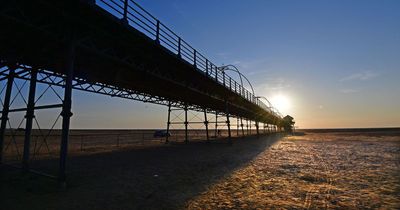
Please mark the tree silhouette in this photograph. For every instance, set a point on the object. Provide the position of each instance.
(288, 123)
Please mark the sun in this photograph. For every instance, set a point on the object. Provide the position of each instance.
(281, 103)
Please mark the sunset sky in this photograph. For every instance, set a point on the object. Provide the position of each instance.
(326, 63)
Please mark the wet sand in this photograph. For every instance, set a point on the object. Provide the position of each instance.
(342, 170)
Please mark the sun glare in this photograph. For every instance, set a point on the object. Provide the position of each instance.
(281, 102)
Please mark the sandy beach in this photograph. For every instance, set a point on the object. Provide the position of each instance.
(311, 170)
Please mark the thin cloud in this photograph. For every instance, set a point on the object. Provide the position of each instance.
(270, 85)
(223, 54)
(361, 76)
(347, 91)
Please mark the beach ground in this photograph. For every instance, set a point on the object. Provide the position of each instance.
(311, 170)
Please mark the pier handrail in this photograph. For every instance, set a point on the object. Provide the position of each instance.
(132, 14)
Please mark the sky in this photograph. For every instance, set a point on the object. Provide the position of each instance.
(326, 63)
(329, 64)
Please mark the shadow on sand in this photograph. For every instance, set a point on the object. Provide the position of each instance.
(160, 177)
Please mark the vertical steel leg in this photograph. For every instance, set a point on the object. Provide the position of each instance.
(66, 112)
(228, 123)
(30, 111)
(6, 108)
(241, 124)
(264, 128)
(237, 126)
(250, 126)
(168, 122)
(258, 132)
(206, 124)
(247, 126)
(186, 125)
(216, 124)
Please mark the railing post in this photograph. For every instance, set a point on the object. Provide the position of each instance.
(235, 86)
(179, 46)
(223, 77)
(158, 32)
(29, 119)
(216, 74)
(207, 67)
(125, 16)
(194, 58)
(230, 83)
(6, 108)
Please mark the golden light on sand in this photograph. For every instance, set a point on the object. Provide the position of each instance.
(281, 102)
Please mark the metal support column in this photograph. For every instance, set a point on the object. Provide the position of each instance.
(66, 111)
(258, 131)
(228, 123)
(241, 124)
(264, 128)
(168, 123)
(216, 124)
(206, 124)
(250, 127)
(237, 126)
(30, 111)
(6, 108)
(186, 125)
(247, 127)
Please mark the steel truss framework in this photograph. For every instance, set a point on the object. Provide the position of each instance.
(208, 121)
(33, 76)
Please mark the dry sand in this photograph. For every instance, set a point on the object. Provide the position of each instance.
(325, 170)
(343, 170)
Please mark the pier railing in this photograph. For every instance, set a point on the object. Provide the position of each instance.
(136, 16)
